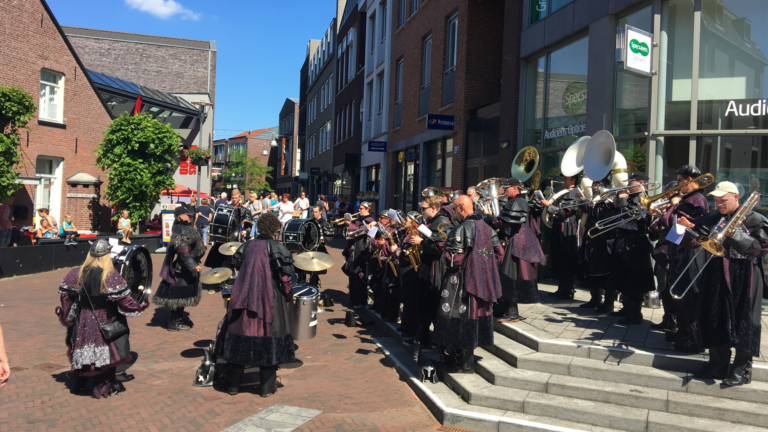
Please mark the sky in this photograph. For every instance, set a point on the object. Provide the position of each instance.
(261, 45)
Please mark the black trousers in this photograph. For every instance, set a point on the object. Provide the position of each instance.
(267, 377)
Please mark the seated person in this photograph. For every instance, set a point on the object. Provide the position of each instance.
(43, 213)
(124, 227)
(45, 231)
(68, 231)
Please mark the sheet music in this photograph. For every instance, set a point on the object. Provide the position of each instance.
(577, 194)
(677, 232)
(538, 195)
(372, 232)
(426, 231)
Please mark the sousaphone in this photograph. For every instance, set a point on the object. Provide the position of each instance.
(573, 159)
(525, 163)
(601, 159)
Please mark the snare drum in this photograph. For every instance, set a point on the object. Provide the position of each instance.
(134, 263)
(301, 235)
(224, 225)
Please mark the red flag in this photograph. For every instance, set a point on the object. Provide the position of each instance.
(137, 110)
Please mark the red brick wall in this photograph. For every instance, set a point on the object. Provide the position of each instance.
(478, 70)
(510, 89)
(29, 42)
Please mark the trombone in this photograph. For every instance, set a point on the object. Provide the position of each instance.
(340, 221)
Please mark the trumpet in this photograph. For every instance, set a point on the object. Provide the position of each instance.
(609, 192)
(340, 221)
(713, 243)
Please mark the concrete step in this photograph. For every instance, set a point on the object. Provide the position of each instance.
(756, 391)
(698, 406)
(669, 422)
(500, 373)
(585, 411)
(628, 374)
(608, 392)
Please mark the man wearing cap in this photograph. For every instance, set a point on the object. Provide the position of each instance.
(470, 287)
(518, 270)
(632, 271)
(731, 288)
(380, 266)
(565, 240)
(683, 314)
(357, 253)
(180, 284)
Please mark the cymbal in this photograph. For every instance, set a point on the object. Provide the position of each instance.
(215, 276)
(229, 249)
(313, 261)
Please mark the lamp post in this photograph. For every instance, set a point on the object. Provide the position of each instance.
(201, 115)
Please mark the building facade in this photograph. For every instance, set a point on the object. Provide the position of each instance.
(348, 98)
(258, 145)
(184, 68)
(320, 112)
(288, 158)
(59, 166)
(374, 112)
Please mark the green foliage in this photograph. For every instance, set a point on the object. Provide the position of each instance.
(196, 153)
(635, 155)
(138, 153)
(17, 107)
(255, 175)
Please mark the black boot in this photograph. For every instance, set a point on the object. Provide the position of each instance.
(234, 374)
(268, 380)
(176, 323)
(416, 352)
(447, 363)
(634, 314)
(468, 361)
(511, 314)
(741, 372)
(717, 367)
(596, 301)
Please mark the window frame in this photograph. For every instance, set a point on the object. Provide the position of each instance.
(426, 61)
(452, 23)
(59, 96)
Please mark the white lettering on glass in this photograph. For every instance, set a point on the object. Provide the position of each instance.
(565, 130)
(760, 108)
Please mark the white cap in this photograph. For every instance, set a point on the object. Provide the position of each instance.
(723, 188)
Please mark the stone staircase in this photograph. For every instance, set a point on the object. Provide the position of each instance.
(517, 387)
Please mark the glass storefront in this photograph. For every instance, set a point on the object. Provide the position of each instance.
(543, 8)
(407, 190)
(632, 93)
(439, 162)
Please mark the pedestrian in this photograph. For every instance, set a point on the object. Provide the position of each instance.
(180, 285)
(272, 199)
(43, 213)
(256, 331)
(302, 204)
(254, 206)
(5, 369)
(68, 231)
(95, 302)
(286, 209)
(6, 227)
(221, 201)
(266, 205)
(124, 227)
(203, 220)
(323, 203)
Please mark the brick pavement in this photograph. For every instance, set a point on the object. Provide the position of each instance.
(344, 374)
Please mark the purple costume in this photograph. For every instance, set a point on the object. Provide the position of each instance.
(357, 255)
(89, 354)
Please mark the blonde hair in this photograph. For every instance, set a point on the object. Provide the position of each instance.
(235, 192)
(103, 262)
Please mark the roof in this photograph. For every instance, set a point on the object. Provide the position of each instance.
(266, 132)
(294, 100)
(107, 82)
(139, 38)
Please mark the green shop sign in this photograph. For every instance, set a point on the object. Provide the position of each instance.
(638, 47)
(574, 97)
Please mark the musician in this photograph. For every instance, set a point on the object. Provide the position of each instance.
(518, 270)
(326, 231)
(383, 277)
(470, 287)
(242, 216)
(691, 207)
(357, 255)
(660, 254)
(409, 258)
(565, 240)
(731, 289)
(432, 268)
(180, 285)
(632, 272)
(598, 251)
(256, 331)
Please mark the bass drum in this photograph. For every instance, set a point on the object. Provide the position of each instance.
(301, 235)
(134, 263)
(224, 225)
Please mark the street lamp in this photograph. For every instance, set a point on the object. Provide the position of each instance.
(273, 143)
(200, 134)
(265, 152)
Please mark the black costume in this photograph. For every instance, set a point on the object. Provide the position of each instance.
(326, 231)
(180, 285)
(431, 273)
(565, 243)
(357, 255)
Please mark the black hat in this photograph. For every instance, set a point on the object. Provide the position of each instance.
(512, 182)
(638, 176)
(99, 248)
(183, 209)
(688, 171)
(670, 185)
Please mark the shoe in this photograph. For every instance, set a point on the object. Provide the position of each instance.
(739, 376)
(619, 313)
(233, 390)
(507, 319)
(266, 395)
(467, 361)
(178, 325)
(416, 352)
(113, 392)
(592, 304)
(664, 326)
(714, 372)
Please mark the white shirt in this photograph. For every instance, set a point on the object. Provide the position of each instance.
(285, 207)
(303, 203)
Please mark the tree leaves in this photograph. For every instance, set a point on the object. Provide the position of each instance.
(17, 107)
(138, 153)
(256, 176)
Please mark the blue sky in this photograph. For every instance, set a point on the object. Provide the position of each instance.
(261, 44)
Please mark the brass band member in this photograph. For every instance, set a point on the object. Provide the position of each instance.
(518, 270)
(409, 276)
(388, 285)
(661, 268)
(598, 251)
(632, 272)
(256, 331)
(180, 285)
(432, 267)
(357, 255)
(565, 240)
(326, 231)
(691, 207)
(470, 287)
(731, 290)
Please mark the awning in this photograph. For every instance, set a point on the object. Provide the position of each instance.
(183, 191)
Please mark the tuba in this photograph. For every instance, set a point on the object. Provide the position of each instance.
(601, 159)
(525, 163)
(573, 159)
(490, 191)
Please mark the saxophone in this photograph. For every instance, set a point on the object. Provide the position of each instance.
(440, 231)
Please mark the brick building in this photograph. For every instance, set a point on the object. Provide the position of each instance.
(59, 168)
(181, 68)
(258, 145)
(446, 60)
(349, 97)
(288, 156)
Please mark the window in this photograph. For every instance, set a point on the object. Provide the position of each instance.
(426, 61)
(370, 101)
(372, 37)
(352, 119)
(51, 95)
(414, 6)
(383, 22)
(381, 94)
(401, 14)
(453, 40)
(543, 8)
(399, 82)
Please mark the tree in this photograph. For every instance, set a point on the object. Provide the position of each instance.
(16, 108)
(249, 172)
(139, 155)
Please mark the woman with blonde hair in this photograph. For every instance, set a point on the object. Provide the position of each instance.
(95, 302)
